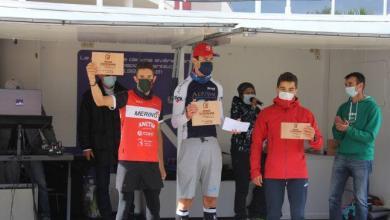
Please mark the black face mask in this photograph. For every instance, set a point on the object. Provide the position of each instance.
(144, 85)
(206, 68)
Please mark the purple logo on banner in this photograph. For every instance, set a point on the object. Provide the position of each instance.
(162, 63)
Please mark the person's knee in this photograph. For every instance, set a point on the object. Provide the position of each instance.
(102, 188)
(334, 200)
(209, 201)
(154, 205)
(102, 184)
(184, 204)
(361, 196)
(242, 190)
(154, 212)
(125, 206)
(126, 197)
(298, 213)
(361, 201)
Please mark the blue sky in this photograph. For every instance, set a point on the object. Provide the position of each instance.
(305, 6)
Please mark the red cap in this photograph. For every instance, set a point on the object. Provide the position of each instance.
(203, 50)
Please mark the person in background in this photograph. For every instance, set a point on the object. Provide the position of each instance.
(285, 166)
(245, 107)
(99, 136)
(355, 128)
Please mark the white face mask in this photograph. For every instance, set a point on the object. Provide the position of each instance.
(351, 91)
(286, 96)
(109, 91)
(109, 81)
(247, 98)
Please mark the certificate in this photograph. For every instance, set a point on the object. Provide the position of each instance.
(109, 63)
(235, 125)
(208, 113)
(292, 130)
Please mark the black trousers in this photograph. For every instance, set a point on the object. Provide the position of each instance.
(102, 190)
(241, 172)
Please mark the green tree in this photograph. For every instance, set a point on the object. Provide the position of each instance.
(355, 11)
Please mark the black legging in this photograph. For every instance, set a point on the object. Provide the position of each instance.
(126, 199)
(257, 207)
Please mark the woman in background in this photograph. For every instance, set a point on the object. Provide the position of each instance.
(245, 107)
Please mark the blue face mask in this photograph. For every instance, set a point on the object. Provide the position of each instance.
(201, 80)
(109, 81)
(206, 68)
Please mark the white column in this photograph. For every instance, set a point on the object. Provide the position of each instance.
(99, 3)
(287, 9)
(258, 6)
(178, 71)
(129, 3)
(161, 4)
(385, 7)
(333, 7)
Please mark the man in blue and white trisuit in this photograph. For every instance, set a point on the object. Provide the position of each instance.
(199, 156)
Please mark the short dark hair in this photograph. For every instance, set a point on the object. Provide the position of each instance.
(360, 78)
(287, 77)
(144, 65)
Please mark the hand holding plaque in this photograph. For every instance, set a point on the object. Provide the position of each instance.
(293, 130)
(108, 63)
(208, 113)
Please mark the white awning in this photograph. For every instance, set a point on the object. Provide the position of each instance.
(141, 34)
(65, 22)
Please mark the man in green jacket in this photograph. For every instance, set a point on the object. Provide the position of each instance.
(355, 129)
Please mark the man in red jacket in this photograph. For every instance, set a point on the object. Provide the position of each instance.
(285, 166)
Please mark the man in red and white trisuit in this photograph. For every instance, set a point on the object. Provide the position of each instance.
(140, 154)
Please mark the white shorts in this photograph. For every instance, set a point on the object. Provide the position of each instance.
(199, 161)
